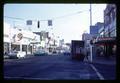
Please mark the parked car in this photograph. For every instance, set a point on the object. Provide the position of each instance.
(6, 55)
(54, 52)
(17, 54)
(21, 54)
(40, 53)
(13, 54)
(66, 53)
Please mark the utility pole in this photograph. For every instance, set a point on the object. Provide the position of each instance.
(91, 55)
(90, 14)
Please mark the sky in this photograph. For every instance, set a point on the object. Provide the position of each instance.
(69, 21)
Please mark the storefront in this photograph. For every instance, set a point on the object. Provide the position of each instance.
(6, 38)
(108, 44)
(19, 40)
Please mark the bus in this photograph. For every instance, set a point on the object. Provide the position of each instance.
(77, 50)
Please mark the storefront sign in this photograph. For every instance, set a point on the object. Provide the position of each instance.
(29, 22)
(19, 36)
(106, 38)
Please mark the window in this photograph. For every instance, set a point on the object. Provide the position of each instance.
(113, 14)
(112, 33)
(24, 47)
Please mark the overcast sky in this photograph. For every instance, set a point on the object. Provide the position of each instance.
(69, 20)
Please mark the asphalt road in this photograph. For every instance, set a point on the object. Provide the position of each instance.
(107, 71)
(49, 68)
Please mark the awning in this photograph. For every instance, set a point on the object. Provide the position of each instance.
(34, 42)
(106, 40)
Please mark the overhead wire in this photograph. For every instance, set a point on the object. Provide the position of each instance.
(67, 15)
(54, 18)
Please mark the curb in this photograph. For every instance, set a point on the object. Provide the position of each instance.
(102, 63)
(29, 56)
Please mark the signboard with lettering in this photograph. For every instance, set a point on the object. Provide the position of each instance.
(106, 38)
(29, 22)
(49, 22)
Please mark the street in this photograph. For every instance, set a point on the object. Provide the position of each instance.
(60, 41)
(108, 71)
(48, 67)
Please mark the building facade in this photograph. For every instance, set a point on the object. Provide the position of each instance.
(110, 20)
(19, 40)
(94, 30)
(107, 34)
(86, 37)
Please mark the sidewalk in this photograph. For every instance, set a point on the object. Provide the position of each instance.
(104, 61)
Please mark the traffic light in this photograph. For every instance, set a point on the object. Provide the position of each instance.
(38, 24)
(49, 22)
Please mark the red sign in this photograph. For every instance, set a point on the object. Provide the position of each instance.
(106, 38)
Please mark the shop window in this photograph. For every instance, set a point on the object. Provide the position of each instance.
(30, 48)
(6, 47)
(15, 47)
(24, 47)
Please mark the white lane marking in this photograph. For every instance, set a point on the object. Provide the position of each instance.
(99, 75)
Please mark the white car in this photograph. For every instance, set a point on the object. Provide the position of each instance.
(21, 54)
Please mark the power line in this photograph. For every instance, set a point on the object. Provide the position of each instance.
(14, 18)
(69, 15)
(21, 18)
(51, 19)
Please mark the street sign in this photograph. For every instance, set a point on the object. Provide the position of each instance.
(29, 22)
(49, 22)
